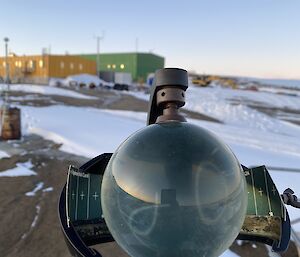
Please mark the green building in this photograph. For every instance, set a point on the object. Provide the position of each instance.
(139, 65)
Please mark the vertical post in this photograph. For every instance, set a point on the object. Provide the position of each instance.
(98, 53)
(7, 70)
(10, 120)
(98, 56)
(136, 44)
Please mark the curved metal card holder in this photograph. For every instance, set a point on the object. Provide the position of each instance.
(267, 220)
(80, 208)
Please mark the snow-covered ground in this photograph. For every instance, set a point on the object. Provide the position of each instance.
(3, 154)
(254, 137)
(217, 102)
(90, 132)
(82, 131)
(22, 169)
(283, 91)
(45, 90)
(37, 188)
(229, 253)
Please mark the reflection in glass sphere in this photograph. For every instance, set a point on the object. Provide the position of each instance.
(174, 189)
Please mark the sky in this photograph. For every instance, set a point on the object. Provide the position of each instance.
(259, 38)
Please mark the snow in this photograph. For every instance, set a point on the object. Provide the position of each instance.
(22, 169)
(48, 189)
(46, 90)
(28, 98)
(36, 217)
(229, 253)
(291, 92)
(53, 82)
(255, 147)
(3, 154)
(86, 79)
(138, 94)
(255, 138)
(34, 222)
(83, 78)
(271, 253)
(206, 99)
(217, 103)
(82, 131)
(38, 187)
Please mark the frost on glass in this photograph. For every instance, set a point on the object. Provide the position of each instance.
(174, 189)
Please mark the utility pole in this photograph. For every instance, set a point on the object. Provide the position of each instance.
(98, 38)
(136, 44)
(6, 40)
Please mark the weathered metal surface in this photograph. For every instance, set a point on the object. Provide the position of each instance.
(266, 213)
(264, 226)
(10, 123)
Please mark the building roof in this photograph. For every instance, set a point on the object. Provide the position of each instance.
(127, 53)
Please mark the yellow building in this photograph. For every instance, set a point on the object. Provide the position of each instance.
(40, 68)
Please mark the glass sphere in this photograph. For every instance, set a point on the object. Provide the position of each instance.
(174, 189)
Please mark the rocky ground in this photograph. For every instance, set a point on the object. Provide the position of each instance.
(29, 225)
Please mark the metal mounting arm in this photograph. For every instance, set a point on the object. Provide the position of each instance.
(166, 102)
(289, 198)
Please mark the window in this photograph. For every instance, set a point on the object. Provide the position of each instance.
(122, 66)
(113, 66)
(4, 64)
(62, 65)
(31, 64)
(71, 66)
(108, 66)
(20, 64)
(80, 66)
(41, 64)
